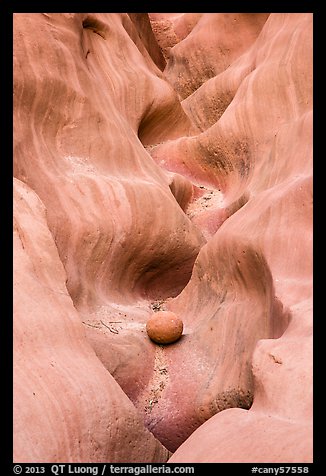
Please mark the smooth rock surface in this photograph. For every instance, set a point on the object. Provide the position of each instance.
(141, 187)
(67, 407)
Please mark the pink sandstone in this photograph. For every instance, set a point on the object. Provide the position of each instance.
(173, 176)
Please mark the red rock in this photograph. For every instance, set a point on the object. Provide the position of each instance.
(269, 235)
(67, 407)
(113, 209)
(240, 436)
(164, 327)
(214, 42)
(143, 29)
(171, 28)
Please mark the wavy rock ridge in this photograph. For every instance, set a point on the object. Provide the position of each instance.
(174, 175)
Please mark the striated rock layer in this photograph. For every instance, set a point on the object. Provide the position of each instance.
(259, 154)
(172, 176)
(67, 407)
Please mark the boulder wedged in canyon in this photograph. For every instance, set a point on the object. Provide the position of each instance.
(142, 197)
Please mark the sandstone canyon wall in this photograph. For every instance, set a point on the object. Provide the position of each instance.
(163, 161)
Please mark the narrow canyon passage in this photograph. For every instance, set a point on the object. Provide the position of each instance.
(163, 162)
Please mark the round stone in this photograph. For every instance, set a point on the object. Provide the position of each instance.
(164, 327)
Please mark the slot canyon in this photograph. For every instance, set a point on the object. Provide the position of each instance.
(163, 164)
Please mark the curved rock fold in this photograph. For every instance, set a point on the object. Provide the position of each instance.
(163, 162)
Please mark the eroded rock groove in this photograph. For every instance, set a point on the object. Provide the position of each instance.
(163, 161)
